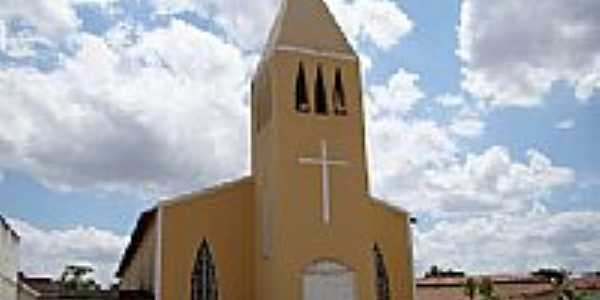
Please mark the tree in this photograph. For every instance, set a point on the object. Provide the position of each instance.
(75, 278)
(434, 271)
(470, 288)
(555, 276)
(486, 289)
(568, 290)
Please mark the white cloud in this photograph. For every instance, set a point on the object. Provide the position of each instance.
(417, 165)
(384, 23)
(512, 61)
(565, 124)
(248, 22)
(379, 21)
(467, 123)
(51, 18)
(401, 150)
(450, 100)
(46, 252)
(123, 35)
(399, 95)
(165, 113)
(492, 181)
(48, 23)
(54, 18)
(103, 3)
(468, 127)
(512, 242)
(19, 44)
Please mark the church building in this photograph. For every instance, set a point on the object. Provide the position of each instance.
(302, 225)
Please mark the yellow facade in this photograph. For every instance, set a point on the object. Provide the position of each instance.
(267, 231)
(224, 218)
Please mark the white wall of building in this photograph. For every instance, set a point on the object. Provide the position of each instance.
(9, 261)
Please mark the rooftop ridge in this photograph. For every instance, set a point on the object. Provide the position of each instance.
(319, 33)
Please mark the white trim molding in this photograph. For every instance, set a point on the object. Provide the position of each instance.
(316, 52)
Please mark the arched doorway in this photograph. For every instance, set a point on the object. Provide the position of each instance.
(327, 280)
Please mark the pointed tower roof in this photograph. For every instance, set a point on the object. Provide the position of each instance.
(307, 25)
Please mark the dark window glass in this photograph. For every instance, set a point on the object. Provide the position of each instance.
(339, 96)
(204, 279)
(320, 94)
(382, 284)
(302, 104)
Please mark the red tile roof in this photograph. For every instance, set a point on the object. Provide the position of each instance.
(441, 281)
(587, 283)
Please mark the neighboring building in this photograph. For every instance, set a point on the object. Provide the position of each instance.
(507, 287)
(42, 285)
(524, 287)
(9, 261)
(303, 225)
(588, 284)
(44, 288)
(24, 291)
(441, 288)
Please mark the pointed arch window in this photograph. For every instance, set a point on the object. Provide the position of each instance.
(339, 96)
(320, 93)
(302, 104)
(204, 278)
(382, 284)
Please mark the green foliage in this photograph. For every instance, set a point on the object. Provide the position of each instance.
(486, 289)
(583, 296)
(75, 278)
(470, 288)
(434, 271)
(571, 294)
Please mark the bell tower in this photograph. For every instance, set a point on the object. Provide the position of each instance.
(308, 150)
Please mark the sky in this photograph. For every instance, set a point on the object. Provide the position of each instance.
(481, 120)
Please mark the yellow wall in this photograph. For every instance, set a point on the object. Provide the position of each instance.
(393, 234)
(294, 196)
(224, 216)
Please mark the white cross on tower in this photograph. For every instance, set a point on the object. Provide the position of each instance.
(324, 162)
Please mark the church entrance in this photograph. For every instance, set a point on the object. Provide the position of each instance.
(328, 280)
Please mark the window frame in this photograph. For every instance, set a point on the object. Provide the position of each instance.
(204, 283)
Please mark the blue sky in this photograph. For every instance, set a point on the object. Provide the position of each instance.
(479, 121)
